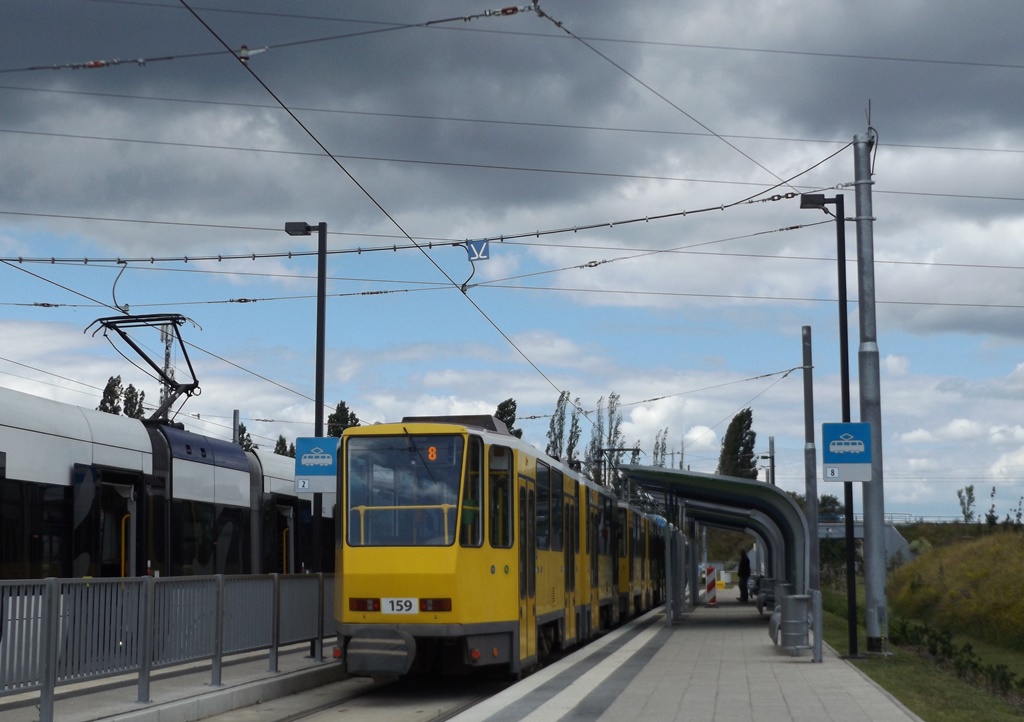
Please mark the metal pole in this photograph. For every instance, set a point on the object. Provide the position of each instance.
(810, 467)
(318, 416)
(870, 399)
(844, 375)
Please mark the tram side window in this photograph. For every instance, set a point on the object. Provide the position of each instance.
(557, 505)
(471, 529)
(543, 506)
(623, 535)
(210, 538)
(605, 526)
(35, 523)
(500, 494)
(581, 506)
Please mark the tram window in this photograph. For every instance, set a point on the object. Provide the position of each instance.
(35, 523)
(623, 534)
(404, 490)
(581, 506)
(500, 495)
(557, 505)
(470, 531)
(524, 535)
(605, 526)
(543, 506)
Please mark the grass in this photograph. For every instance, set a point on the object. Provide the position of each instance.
(933, 693)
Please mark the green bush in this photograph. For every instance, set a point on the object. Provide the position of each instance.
(961, 658)
(976, 586)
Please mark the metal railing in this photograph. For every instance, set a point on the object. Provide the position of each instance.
(895, 517)
(58, 631)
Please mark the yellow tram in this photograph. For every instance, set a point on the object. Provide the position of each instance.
(462, 547)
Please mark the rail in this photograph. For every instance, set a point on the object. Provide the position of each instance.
(60, 631)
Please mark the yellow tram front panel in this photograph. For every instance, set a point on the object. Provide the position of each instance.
(450, 586)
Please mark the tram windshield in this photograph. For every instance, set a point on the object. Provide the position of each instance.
(402, 490)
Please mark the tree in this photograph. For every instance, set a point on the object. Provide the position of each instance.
(829, 507)
(340, 420)
(556, 430)
(283, 448)
(114, 394)
(111, 401)
(574, 436)
(660, 453)
(133, 402)
(634, 456)
(506, 412)
(593, 460)
(737, 454)
(991, 518)
(244, 439)
(615, 440)
(966, 497)
(606, 443)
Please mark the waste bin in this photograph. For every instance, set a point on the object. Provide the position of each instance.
(794, 624)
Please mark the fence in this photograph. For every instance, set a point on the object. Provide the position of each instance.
(58, 631)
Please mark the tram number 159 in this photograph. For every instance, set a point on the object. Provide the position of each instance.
(399, 605)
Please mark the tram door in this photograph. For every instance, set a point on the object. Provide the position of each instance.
(527, 569)
(286, 539)
(278, 538)
(571, 546)
(104, 540)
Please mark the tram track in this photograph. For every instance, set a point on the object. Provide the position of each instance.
(412, 699)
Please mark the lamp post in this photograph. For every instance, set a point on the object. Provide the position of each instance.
(304, 229)
(818, 200)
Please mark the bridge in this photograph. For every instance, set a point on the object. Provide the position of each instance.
(895, 544)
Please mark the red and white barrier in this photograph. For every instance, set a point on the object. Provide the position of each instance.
(711, 594)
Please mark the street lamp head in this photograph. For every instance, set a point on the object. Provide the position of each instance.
(298, 228)
(813, 200)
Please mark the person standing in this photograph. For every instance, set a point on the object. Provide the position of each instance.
(744, 576)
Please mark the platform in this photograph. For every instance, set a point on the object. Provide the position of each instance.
(184, 694)
(718, 664)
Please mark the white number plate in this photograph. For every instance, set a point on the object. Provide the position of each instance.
(400, 605)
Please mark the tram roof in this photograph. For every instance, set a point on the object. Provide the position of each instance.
(730, 502)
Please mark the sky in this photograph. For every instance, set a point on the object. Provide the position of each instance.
(635, 168)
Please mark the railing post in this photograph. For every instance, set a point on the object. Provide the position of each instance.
(51, 633)
(275, 623)
(816, 612)
(146, 626)
(218, 643)
(319, 646)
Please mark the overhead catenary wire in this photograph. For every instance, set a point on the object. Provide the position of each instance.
(561, 26)
(244, 53)
(596, 39)
(375, 202)
(447, 118)
(419, 245)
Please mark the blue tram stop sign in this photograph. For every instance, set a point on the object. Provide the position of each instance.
(846, 452)
(316, 464)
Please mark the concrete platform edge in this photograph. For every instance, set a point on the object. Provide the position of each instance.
(231, 697)
(873, 683)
